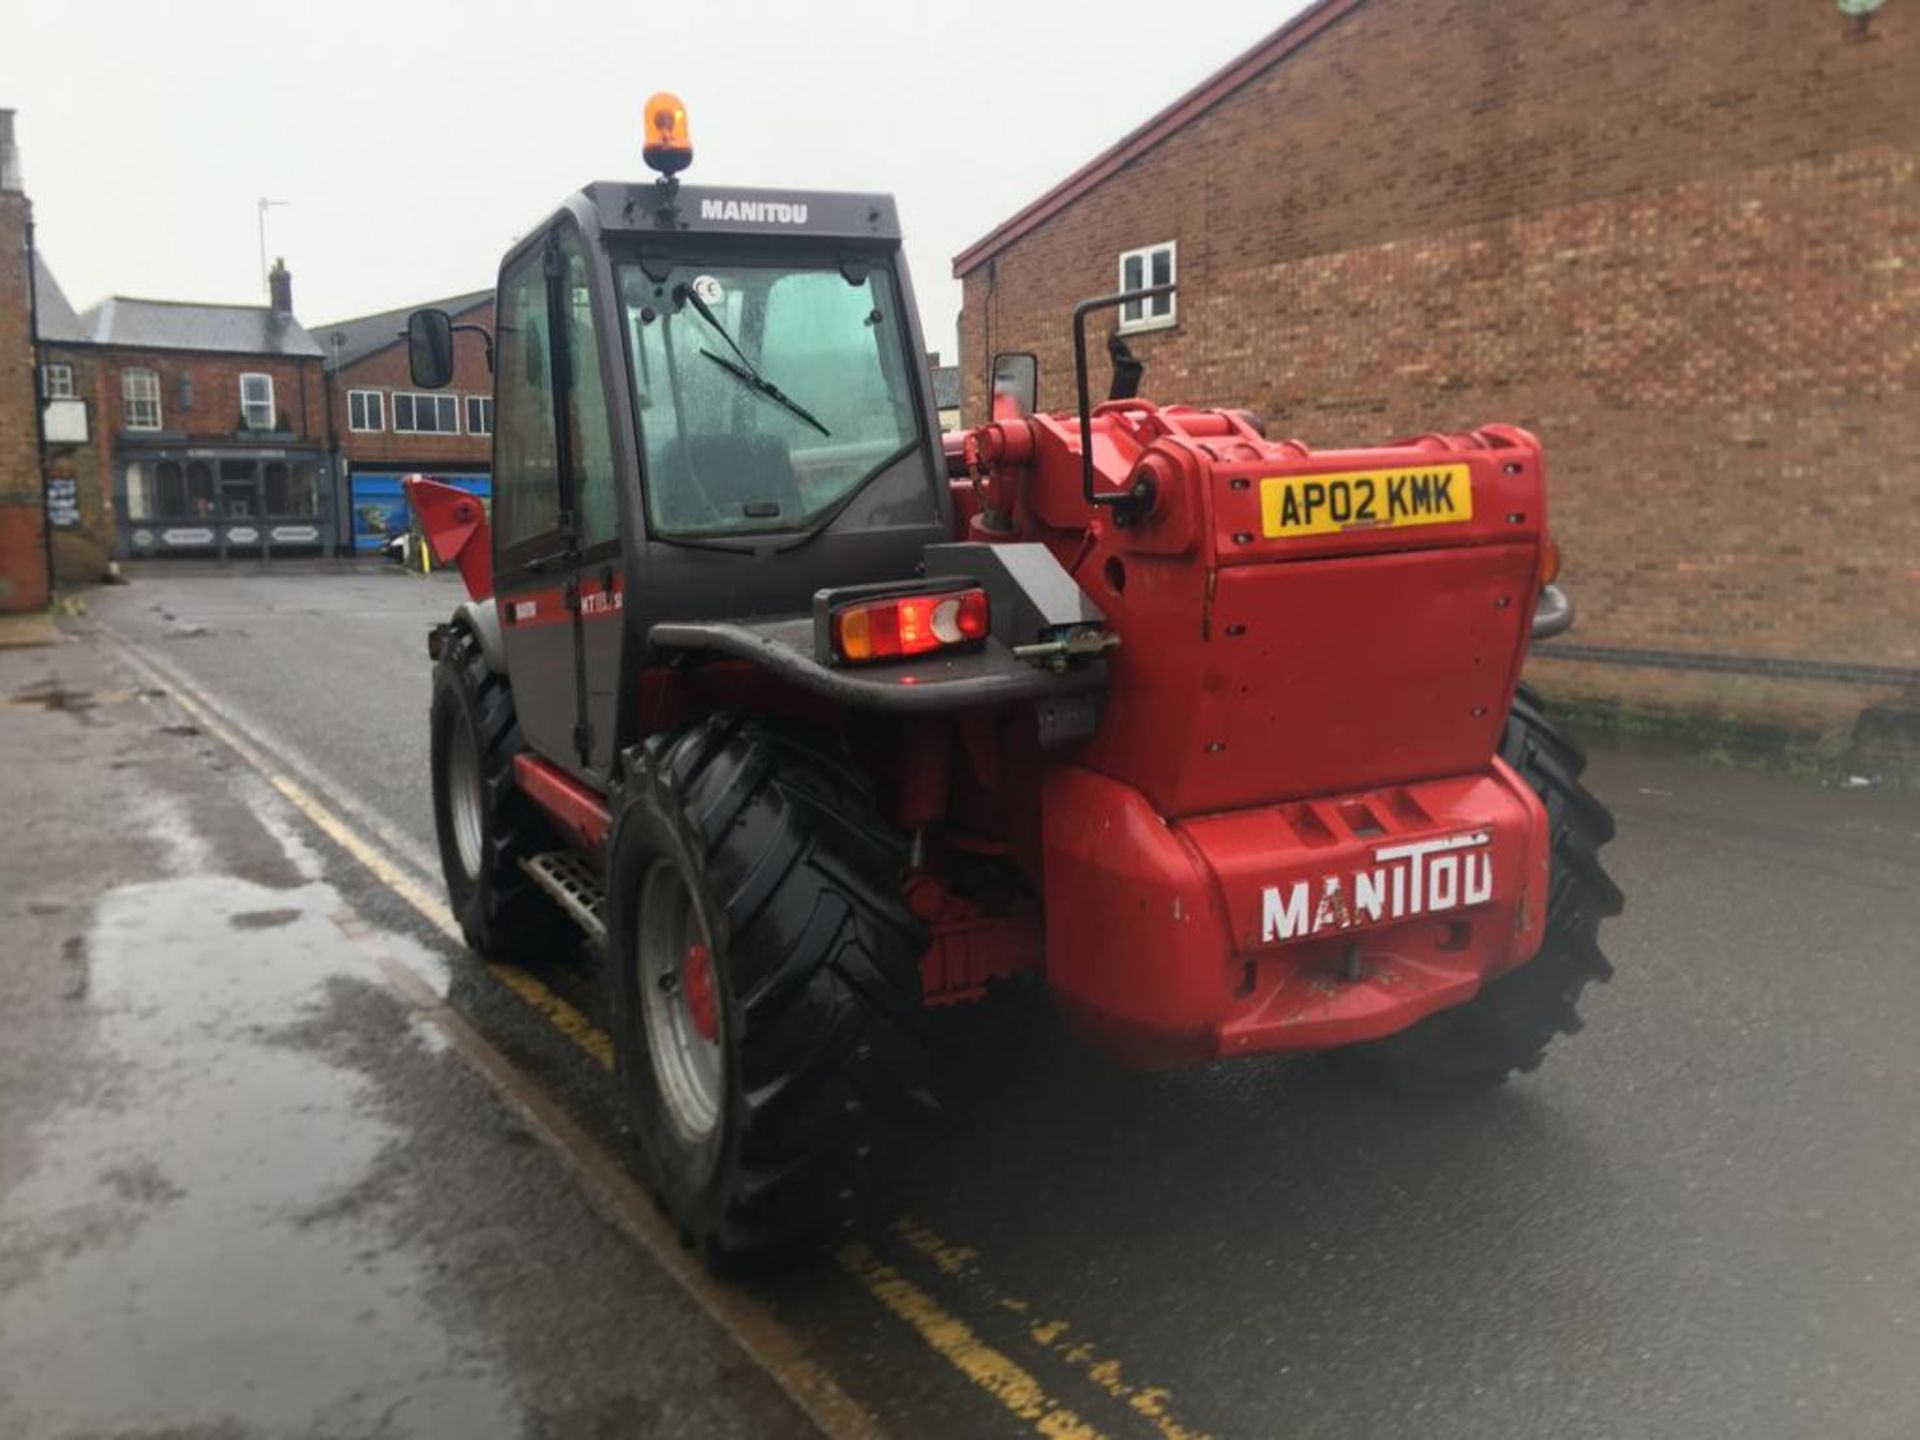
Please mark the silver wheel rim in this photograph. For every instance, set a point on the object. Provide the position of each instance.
(690, 1066)
(465, 805)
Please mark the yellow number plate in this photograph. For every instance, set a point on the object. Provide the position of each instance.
(1364, 500)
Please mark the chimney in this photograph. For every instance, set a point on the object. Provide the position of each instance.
(280, 283)
(9, 156)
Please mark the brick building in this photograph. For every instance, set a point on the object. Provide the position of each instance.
(382, 428)
(77, 456)
(1681, 242)
(199, 429)
(23, 553)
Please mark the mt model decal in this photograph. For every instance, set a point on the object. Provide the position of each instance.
(1419, 877)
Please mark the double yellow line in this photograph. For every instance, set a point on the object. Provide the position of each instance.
(775, 1349)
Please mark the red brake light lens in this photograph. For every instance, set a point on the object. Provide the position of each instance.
(906, 625)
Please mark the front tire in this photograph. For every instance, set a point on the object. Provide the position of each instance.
(1507, 1027)
(486, 824)
(765, 984)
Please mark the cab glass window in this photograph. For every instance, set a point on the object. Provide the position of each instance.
(768, 395)
(525, 478)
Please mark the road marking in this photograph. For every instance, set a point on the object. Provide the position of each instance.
(557, 1012)
(955, 1341)
(769, 1345)
(1152, 1402)
(772, 1347)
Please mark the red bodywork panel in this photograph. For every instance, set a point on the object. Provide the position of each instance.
(579, 812)
(455, 524)
(1295, 722)
(1286, 927)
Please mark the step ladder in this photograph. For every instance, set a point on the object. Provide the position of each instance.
(573, 886)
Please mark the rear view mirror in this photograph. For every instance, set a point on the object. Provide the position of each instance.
(1016, 384)
(430, 348)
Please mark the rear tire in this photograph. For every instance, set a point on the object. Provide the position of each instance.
(782, 888)
(486, 824)
(1507, 1027)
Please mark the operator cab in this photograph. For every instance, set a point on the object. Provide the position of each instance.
(708, 402)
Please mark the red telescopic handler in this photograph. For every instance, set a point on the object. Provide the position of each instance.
(812, 719)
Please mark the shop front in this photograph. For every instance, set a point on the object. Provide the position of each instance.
(378, 500)
(228, 502)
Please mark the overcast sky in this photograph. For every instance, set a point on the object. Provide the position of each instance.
(416, 139)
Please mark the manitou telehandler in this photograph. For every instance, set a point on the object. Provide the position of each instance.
(812, 719)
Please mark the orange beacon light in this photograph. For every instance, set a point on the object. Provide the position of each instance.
(669, 147)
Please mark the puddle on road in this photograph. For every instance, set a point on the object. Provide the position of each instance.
(55, 697)
(182, 1255)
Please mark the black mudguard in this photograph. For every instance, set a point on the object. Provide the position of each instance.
(1033, 598)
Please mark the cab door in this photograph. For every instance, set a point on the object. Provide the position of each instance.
(535, 555)
(597, 577)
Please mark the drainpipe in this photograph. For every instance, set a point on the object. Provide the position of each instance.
(336, 463)
(39, 405)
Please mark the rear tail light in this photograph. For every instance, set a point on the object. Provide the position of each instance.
(904, 625)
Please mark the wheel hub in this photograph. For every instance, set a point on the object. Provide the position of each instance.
(680, 1002)
(696, 978)
(466, 800)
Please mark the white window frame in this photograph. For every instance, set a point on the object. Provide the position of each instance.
(1146, 314)
(133, 404)
(373, 406)
(56, 380)
(247, 406)
(433, 397)
(471, 401)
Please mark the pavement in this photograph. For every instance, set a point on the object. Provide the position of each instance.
(244, 1188)
(246, 1182)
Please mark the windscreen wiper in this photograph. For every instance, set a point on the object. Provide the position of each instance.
(745, 371)
(756, 381)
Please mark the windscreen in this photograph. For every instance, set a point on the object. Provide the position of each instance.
(767, 394)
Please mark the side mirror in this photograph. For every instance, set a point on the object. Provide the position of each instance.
(430, 348)
(1016, 384)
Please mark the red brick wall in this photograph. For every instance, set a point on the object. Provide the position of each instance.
(23, 565)
(1682, 242)
(386, 371)
(81, 554)
(299, 392)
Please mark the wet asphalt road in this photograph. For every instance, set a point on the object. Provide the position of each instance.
(1697, 1220)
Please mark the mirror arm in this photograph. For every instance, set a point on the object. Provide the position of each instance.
(486, 336)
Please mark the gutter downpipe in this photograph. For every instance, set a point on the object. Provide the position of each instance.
(39, 403)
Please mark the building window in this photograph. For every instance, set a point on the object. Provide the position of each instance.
(479, 414)
(290, 489)
(256, 402)
(416, 414)
(140, 389)
(1140, 269)
(366, 410)
(167, 491)
(56, 382)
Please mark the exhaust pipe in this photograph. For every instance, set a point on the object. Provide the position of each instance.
(1553, 615)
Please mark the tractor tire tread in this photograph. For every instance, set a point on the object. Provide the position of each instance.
(1507, 1027)
(823, 957)
(504, 917)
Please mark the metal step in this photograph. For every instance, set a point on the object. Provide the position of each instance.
(574, 887)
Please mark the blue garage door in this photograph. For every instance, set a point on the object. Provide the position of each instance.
(380, 504)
